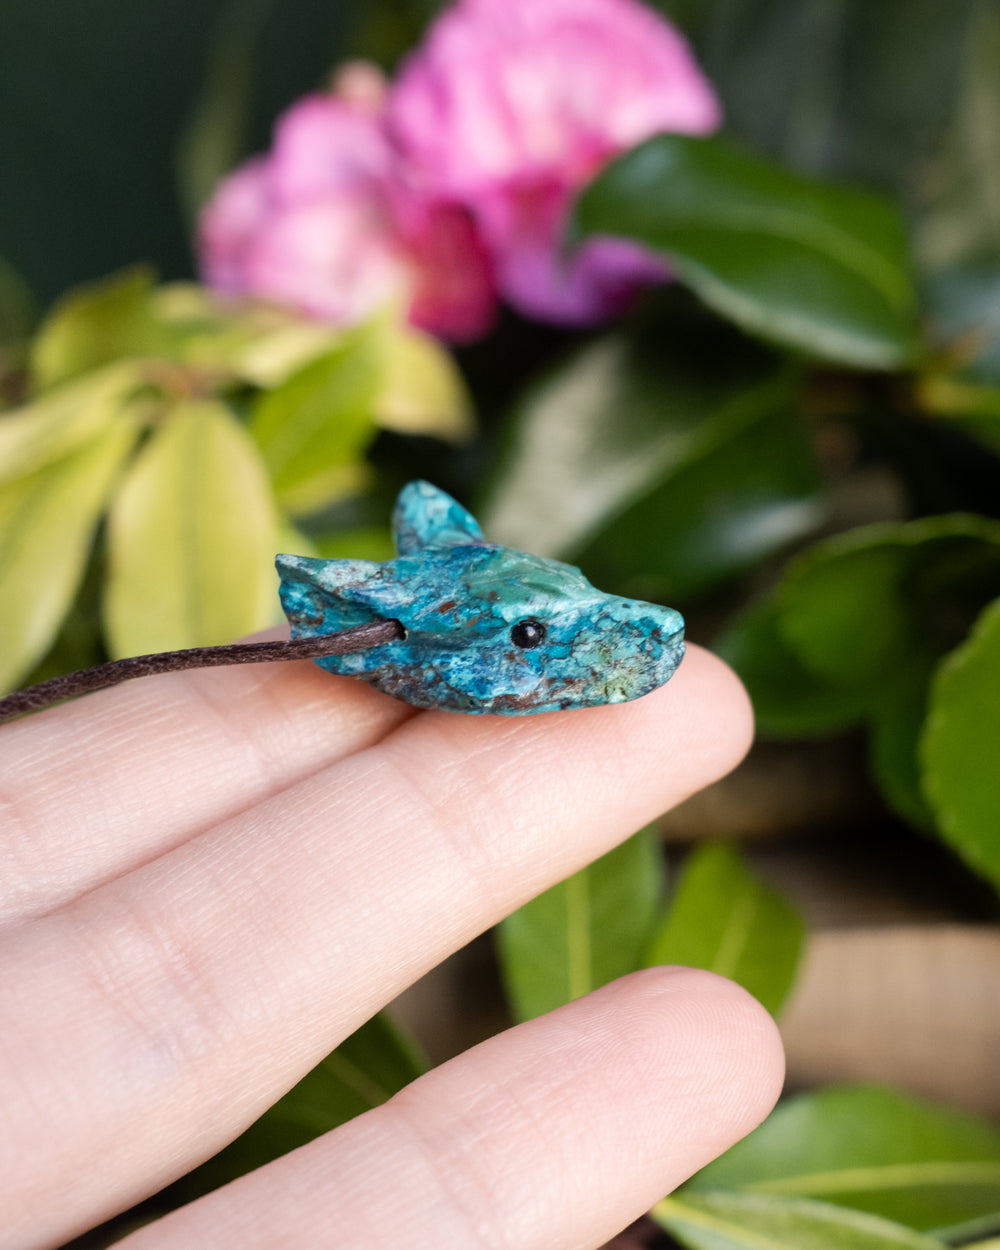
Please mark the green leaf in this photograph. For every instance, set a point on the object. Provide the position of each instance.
(854, 630)
(748, 487)
(78, 643)
(625, 421)
(870, 1148)
(96, 324)
(63, 420)
(192, 538)
(863, 605)
(260, 344)
(960, 747)
(587, 440)
(422, 391)
(313, 429)
(363, 1072)
(47, 524)
(724, 919)
(897, 718)
(811, 266)
(842, 607)
(789, 700)
(584, 932)
(368, 543)
(715, 1221)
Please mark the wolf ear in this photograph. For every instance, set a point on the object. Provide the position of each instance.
(322, 596)
(426, 517)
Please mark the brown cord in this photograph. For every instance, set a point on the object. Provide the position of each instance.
(358, 638)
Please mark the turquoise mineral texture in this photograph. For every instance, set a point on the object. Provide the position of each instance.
(488, 628)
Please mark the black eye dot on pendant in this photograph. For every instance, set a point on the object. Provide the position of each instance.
(527, 634)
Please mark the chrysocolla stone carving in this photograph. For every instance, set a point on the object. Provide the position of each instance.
(488, 628)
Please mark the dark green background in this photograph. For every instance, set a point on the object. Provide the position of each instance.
(94, 96)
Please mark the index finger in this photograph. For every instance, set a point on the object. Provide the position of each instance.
(261, 943)
(143, 767)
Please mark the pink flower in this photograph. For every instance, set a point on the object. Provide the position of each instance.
(510, 106)
(327, 223)
(455, 185)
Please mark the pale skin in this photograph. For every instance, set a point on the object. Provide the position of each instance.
(208, 879)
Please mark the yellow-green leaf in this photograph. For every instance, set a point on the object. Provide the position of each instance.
(422, 390)
(273, 354)
(870, 1148)
(724, 919)
(96, 324)
(192, 538)
(313, 430)
(584, 932)
(250, 341)
(723, 1221)
(47, 522)
(63, 420)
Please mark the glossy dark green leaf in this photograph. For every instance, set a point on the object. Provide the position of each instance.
(748, 487)
(961, 744)
(854, 629)
(192, 537)
(789, 700)
(870, 1148)
(863, 604)
(723, 1221)
(97, 324)
(314, 428)
(590, 438)
(842, 607)
(645, 459)
(815, 267)
(584, 932)
(363, 1072)
(724, 919)
(897, 718)
(47, 524)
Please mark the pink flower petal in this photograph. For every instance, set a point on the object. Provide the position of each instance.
(510, 106)
(334, 258)
(454, 292)
(230, 222)
(544, 279)
(326, 146)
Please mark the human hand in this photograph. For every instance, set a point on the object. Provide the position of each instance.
(208, 879)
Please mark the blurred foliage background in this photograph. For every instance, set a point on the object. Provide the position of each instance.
(797, 443)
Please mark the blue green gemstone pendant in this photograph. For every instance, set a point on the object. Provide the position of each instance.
(488, 628)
